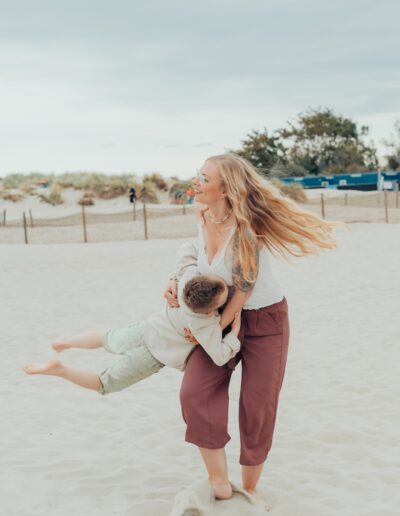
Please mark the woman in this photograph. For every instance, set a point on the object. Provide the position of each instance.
(242, 220)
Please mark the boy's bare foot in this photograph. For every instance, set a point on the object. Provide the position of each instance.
(53, 367)
(60, 345)
(222, 490)
(259, 499)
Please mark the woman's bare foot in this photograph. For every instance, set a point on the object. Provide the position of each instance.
(52, 367)
(60, 345)
(222, 490)
(259, 499)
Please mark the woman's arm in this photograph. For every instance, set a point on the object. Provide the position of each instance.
(235, 305)
(243, 288)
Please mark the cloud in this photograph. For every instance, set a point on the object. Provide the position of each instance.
(169, 76)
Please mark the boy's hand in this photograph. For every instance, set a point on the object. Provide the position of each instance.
(236, 323)
(190, 337)
(171, 293)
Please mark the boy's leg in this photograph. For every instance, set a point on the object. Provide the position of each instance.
(87, 340)
(129, 369)
(86, 379)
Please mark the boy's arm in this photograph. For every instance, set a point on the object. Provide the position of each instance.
(208, 333)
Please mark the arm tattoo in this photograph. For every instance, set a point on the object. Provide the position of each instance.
(237, 270)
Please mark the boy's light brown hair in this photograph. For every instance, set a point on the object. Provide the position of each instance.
(201, 294)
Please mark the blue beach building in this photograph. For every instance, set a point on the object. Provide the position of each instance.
(356, 181)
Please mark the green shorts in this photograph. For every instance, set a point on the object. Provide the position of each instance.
(136, 361)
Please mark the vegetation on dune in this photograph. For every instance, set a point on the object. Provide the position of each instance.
(87, 199)
(294, 190)
(54, 197)
(316, 142)
(158, 180)
(148, 193)
(6, 195)
(16, 180)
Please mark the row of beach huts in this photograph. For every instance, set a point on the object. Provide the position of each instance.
(356, 181)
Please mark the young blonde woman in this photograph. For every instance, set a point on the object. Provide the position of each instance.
(242, 220)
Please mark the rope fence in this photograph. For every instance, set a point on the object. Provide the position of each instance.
(149, 221)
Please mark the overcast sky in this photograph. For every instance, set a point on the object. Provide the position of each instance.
(140, 86)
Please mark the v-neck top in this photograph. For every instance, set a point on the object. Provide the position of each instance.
(221, 264)
(266, 290)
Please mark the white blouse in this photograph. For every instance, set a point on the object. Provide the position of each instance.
(266, 290)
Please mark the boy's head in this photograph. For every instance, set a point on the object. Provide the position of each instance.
(204, 294)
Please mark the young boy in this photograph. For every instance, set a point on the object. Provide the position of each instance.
(147, 346)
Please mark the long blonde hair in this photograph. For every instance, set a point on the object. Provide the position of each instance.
(261, 211)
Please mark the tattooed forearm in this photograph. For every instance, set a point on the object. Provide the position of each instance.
(242, 284)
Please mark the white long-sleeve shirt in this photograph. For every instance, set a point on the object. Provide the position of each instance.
(163, 332)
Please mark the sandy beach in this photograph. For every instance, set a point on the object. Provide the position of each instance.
(68, 451)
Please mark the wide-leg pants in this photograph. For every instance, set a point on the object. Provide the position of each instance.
(264, 337)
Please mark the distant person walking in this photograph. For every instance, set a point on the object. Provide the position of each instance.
(132, 195)
(190, 195)
(178, 196)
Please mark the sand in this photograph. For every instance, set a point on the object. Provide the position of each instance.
(68, 451)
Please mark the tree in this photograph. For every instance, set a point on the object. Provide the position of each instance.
(262, 150)
(325, 143)
(393, 158)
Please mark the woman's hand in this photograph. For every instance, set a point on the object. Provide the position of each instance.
(190, 337)
(236, 323)
(171, 293)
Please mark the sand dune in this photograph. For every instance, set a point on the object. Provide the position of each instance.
(68, 451)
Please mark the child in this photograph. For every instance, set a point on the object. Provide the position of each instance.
(147, 346)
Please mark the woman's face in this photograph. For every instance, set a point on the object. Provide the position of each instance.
(207, 185)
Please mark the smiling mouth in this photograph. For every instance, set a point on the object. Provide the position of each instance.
(197, 191)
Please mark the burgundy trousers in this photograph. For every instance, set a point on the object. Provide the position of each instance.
(264, 337)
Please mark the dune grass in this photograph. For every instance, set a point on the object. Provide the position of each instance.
(295, 191)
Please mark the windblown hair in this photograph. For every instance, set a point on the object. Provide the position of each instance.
(201, 293)
(262, 212)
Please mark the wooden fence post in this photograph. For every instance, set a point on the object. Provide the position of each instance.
(184, 208)
(84, 224)
(134, 211)
(145, 221)
(4, 217)
(25, 228)
(322, 206)
(385, 197)
(345, 199)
